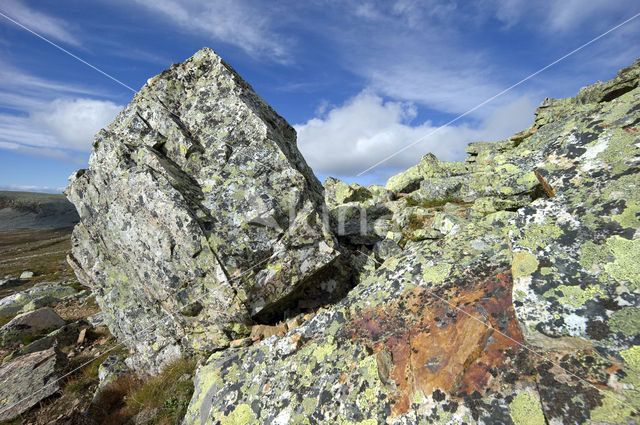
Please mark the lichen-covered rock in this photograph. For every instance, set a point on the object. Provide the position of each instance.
(34, 298)
(109, 370)
(65, 336)
(524, 309)
(339, 192)
(27, 380)
(197, 212)
(27, 324)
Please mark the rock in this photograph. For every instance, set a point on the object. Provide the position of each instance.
(242, 342)
(360, 223)
(9, 282)
(259, 332)
(429, 166)
(65, 336)
(27, 380)
(386, 248)
(110, 369)
(38, 320)
(26, 325)
(96, 320)
(441, 332)
(197, 211)
(32, 299)
(26, 275)
(338, 192)
(81, 337)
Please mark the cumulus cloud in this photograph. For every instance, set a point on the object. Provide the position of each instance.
(42, 23)
(62, 129)
(73, 122)
(367, 129)
(242, 23)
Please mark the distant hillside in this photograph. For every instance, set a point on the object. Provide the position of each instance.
(30, 210)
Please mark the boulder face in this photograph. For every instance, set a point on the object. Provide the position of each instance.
(28, 380)
(197, 212)
(503, 289)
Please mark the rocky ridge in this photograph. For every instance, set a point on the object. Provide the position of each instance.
(26, 210)
(501, 289)
(498, 290)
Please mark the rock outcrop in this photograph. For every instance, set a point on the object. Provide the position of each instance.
(503, 289)
(198, 214)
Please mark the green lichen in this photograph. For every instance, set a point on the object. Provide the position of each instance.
(437, 273)
(626, 321)
(309, 405)
(574, 295)
(540, 235)
(523, 264)
(526, 410)
(369, 369)
(632, 357)
(322, 351)
(592, 256)
(626, 266)
(630, 216)
(241, 415)
(612, 410)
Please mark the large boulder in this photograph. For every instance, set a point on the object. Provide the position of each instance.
(27, 325)
(523, 313)
(198, 213)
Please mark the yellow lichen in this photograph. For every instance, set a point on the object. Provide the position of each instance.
(526, 410)
(523, 264)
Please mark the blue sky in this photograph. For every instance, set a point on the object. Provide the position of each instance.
(359, 79)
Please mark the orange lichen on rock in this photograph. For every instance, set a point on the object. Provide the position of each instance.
(453, 339)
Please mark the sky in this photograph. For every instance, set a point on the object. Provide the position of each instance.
(358, 79)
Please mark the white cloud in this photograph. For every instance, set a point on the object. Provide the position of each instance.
(552, 17)
(73, 122)
(40, 22)
(242, 23)
(57, 127)
(47, 118)
(22, 91)
(366, 129)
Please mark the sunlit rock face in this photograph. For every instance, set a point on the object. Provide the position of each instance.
(197, 213)
(506, 290)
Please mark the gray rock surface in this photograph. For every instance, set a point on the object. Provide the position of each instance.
(67, 335)
(29, 323)
(197, 213)
(32, 378)
(34, 298)
(43, 318)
